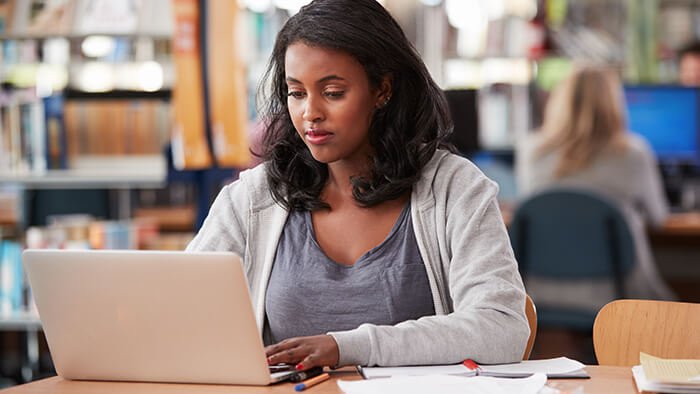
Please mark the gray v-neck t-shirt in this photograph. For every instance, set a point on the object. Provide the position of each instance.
(310, 294)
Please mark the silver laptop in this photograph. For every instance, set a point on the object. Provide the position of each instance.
(148, 316)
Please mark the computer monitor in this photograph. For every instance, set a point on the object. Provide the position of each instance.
(463, 108)
(667, 116)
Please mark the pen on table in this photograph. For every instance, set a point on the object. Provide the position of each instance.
(312, 382)
(471, 365)
(308, 374)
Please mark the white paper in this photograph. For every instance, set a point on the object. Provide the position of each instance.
(553, 366)
(444, 384)
(385, 372)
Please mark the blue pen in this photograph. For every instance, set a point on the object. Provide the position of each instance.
(312, 382)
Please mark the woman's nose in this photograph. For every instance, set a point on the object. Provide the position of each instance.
(312, 110)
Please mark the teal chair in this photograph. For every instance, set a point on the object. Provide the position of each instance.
(571, 234)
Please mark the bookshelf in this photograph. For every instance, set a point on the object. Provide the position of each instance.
(147, 171)
(111, 137)
(61, 136)
(20, 320)
(51, 118)
(29, 323)
(154, 35)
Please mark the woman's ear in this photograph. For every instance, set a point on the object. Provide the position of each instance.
(385, 91)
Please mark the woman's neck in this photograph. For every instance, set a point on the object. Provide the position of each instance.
(338, 186)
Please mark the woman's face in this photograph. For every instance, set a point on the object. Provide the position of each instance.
(331, 103)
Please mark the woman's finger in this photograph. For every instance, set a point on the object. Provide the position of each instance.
(308, 362)
(278, 347)
(291, 356)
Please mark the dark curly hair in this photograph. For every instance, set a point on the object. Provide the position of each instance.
(404, 135)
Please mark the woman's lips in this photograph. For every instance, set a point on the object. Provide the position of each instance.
(318, 136)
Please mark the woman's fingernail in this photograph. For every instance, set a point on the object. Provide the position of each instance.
(269, 360)
(299, 367)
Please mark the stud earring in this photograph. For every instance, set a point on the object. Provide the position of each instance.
(386, 101)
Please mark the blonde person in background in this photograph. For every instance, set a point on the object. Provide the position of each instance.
(584, 143)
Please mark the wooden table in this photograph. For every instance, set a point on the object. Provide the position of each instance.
(687, 223)
(603, 380)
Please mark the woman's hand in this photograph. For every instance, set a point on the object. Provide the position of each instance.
(305, 352)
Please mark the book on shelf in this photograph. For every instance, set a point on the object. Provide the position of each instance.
(11, 278)
(6, 138)
(169, 241)
(169, 218)
(11, 136)
(55, 129)
(116, 127)
(11, 205)
(22, 136)
(226, 81)
(190, 147)
(86, 232)
(81, 231)
(6, 12)
(31, 112)
(172, 207)
(38, 134)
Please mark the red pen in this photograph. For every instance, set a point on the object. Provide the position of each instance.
(471, 365)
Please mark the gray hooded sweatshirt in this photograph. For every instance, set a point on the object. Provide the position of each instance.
(476, 288)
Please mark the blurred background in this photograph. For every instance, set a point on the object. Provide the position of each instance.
(121, 119)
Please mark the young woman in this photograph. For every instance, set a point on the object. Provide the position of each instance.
(364, 243)
(584, 143)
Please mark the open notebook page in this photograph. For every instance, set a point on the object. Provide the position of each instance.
(670, 371)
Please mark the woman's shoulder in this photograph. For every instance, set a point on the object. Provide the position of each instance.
(637, 151)
(252, 184)
(444, 162)
(637, 144)
(255, 175)
(453, 173)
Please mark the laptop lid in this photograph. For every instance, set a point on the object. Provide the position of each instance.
(147, 316)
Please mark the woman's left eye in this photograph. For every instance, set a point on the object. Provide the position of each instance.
(334, 94)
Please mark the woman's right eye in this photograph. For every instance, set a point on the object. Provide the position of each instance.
(295, 94)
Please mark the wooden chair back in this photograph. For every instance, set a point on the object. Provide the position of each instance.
(623, 328)
(531, 313)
